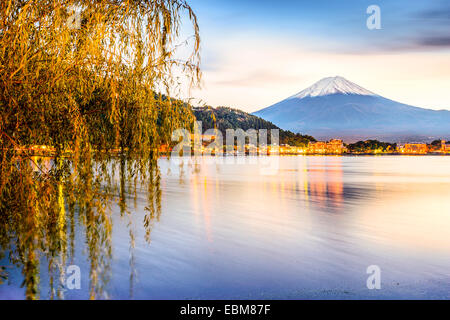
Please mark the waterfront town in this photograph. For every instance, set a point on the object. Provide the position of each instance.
(336, 146)
(332, 147)
(202, 144)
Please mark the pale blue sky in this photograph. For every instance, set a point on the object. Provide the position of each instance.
(255, 53)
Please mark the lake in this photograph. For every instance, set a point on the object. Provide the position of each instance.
(307, 230)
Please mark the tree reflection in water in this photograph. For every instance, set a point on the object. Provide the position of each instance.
(46, 199)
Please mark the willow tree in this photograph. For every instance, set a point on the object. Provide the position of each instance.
(83, 77)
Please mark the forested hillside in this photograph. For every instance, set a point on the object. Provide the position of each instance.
(229, 118)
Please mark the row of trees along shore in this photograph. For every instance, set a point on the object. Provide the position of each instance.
(81, 76)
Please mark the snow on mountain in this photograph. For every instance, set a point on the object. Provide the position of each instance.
(337, 108)
(332, 85)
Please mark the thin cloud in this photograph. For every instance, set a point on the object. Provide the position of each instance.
(260, 78)
(438, 14)
(435, 42)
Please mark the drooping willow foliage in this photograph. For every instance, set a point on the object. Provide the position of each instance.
(82, 77)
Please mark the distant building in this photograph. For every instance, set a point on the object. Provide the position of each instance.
(317, 147)
(39, 149)
(287, 149)
(164, 148)
(334, 146)
(202, 137)
(444, 147)
(414, 148)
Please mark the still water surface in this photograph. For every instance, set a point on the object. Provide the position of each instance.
(307, 232)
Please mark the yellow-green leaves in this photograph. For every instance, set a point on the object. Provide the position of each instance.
(79, 77)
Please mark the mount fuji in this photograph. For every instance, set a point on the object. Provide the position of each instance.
(337, 108)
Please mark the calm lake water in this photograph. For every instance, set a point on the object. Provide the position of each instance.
(309, 231)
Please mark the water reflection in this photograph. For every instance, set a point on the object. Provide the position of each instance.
(325, 182)
(208, 230)
(47, 207)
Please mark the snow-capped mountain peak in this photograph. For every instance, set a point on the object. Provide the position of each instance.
(332, 85)
(335, 107)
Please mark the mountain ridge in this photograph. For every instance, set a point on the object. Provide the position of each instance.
(337, 108)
